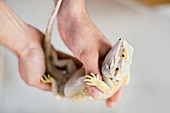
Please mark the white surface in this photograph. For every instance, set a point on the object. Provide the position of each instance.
(164, 10)
(147, 31)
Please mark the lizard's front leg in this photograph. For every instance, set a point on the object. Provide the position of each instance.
(94, 80)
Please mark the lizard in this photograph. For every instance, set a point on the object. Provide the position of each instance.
(68, 81)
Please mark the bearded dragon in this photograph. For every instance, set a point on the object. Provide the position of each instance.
(69, 82)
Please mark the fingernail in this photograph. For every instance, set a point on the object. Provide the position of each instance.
(111, 104)
(97, 94)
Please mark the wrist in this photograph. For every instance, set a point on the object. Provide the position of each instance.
(72, 15)
(12, 28)
(72, 9)
(32, 39)
(15, 34)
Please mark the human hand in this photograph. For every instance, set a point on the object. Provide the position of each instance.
(32, 63)
(32, 60)
(87, 43)
(26, 42)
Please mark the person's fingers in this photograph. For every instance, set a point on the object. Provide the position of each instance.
(91, 66)
(95, 92)
(39, 85)
(42, 86)
(110, 102)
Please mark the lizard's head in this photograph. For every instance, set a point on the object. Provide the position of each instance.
(117, 62)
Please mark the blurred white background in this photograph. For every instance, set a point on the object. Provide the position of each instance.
(147, 29)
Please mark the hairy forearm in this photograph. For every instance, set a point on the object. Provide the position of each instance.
(12, 29)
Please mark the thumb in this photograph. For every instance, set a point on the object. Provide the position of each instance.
(92, 66)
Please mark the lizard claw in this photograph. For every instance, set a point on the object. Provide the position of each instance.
(93, 75)
(46, 79)
(92, 79)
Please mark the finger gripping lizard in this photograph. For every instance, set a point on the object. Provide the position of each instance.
(69, 82)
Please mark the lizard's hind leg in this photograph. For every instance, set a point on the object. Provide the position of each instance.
(55, 90)
(46, 79)
(68, 63)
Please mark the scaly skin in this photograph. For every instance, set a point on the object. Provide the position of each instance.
(70, 82)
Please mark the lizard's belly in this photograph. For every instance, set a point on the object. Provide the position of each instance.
(76, 89)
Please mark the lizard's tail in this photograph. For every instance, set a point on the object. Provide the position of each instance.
(47, 40)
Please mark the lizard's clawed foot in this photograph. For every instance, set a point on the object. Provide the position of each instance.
(92, 79)
(46, 78)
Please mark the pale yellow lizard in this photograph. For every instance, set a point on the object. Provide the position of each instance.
(70, 82)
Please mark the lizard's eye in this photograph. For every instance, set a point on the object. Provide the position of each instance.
(123, 55)
(117, 69)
